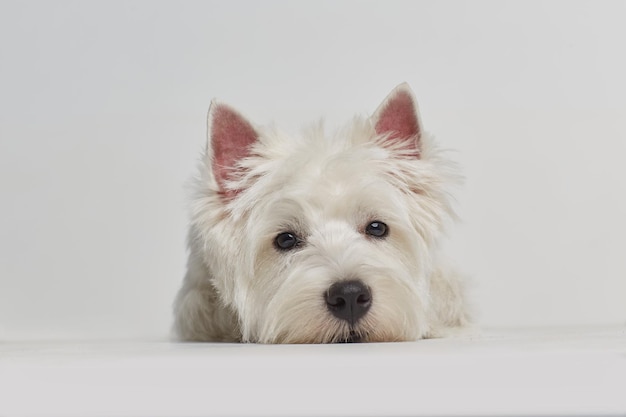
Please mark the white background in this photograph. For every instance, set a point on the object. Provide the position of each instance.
(102, 118)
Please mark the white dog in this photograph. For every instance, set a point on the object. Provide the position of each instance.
(317, 239)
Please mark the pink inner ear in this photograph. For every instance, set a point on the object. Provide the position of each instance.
(231, 136)
(398, 118)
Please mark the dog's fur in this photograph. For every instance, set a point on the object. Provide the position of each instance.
(256, 183)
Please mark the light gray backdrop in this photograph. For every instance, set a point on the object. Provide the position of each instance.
(102, 117)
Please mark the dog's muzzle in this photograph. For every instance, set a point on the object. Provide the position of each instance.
(348, 300)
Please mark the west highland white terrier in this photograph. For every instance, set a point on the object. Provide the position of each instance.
(318, 239)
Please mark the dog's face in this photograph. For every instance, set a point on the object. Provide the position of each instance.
(323, 239)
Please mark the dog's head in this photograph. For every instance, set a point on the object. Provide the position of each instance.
(316, 239)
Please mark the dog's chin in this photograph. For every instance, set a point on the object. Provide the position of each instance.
(352, 337)
(349, 334)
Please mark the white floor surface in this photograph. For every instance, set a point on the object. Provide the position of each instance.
(561, 371)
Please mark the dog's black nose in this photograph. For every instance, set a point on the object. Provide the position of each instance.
(348, 300)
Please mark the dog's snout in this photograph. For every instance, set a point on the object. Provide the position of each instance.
(348, 300)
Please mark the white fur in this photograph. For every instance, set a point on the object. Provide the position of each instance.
(238, 287)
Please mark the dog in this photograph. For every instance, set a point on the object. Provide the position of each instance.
(320, 239)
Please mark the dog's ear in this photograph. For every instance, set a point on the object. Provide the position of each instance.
(230, 138)
(398, 118)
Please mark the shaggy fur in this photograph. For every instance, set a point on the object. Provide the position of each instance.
(256, 183)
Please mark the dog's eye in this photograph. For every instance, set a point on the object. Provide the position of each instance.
(286, 241)
(377, 229)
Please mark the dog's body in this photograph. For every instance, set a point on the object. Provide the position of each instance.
(314, 239)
